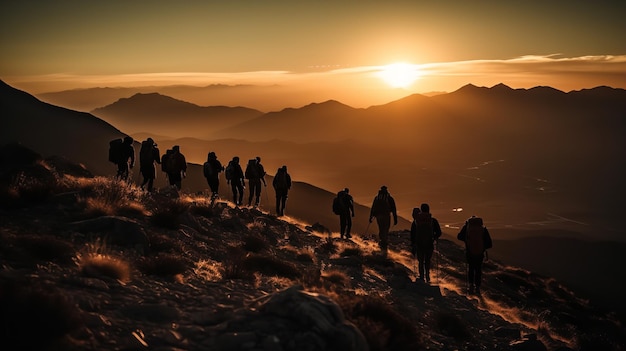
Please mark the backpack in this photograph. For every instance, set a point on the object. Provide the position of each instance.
(165, 161)
(146, 157)
(280, 180)
(208, 169)
(474, 241)
(230, 169)
(381, 205)
(338, 204)
(252, 171)
(115, 150)
(424, 232)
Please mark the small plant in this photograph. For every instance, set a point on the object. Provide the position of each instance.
(334, 278)
(209, 270)
(234, 265)
(96, 262)
(271, 266)
(47, 248)
(255, 243)
(165, 265)
(167, 214)
(354, 251)
(329, 246)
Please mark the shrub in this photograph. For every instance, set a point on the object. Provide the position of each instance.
(255, 243)
(336, 279)
(351, 251)
(47, 248)
(95, 264)
(271, 266)
(25, 310)
(167, 214)
(165, 265)
(329, 246)
(234, 265)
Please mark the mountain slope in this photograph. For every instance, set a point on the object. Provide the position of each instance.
(177, 273)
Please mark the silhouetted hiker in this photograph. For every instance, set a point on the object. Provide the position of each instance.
(148, 155)
(282, 184)
(382, 207)
(234, 176)
(176, 167)
(255, 173)
(343, 205)
(425, 230)
(211, 170)
(477, 240)
(120, 151)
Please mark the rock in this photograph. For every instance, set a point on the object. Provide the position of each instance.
(157, 313)
(511, 333)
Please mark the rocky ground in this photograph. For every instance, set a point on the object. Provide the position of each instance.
(94, 264)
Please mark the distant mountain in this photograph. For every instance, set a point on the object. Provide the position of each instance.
(84, 138)
(164, 115)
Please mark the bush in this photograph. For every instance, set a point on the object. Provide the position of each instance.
(98, 265)
(351, 252)
(167, 214)
(35, 318)
(47, 248)
(255, 243)
(165, 265)
(234, 265)
(271, 266)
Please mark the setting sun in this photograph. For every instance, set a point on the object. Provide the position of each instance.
(399, 75)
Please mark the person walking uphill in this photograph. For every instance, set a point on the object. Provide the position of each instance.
(176, 167)
(211, 170)
(382, 207)
(343, 205)
(282, 184)
(477, 240)
(234, 176)
(148, 155)
(120, 151)
(255, 173)
(425, 230)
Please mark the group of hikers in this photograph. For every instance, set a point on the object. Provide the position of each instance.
(174, 165)
(425, 229)
(425, 233)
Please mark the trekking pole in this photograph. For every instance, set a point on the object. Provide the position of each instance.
(437, 261)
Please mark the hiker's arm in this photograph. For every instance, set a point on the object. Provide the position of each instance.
(436, 229)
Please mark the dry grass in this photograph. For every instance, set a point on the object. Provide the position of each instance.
(165, 265)
(107, 197)
(47, 248)
(209, 270)
(167, 213)
(271, 266)
(96, 261)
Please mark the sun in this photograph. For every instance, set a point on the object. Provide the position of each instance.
(399, 75)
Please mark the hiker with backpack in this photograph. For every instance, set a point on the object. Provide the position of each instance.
(477, 241)
(382, 207)
(176, 167)
(255, 173)
(343, 205)
(425, 231)
(234, 176)
(120, 152)
(211, 170)
(148, 155)
(281, 184)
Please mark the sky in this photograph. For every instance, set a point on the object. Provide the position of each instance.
(351, 49)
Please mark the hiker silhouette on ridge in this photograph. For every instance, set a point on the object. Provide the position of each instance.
(234, 176)
(425, 231)
(477, 241)
(148, 155)
(176, 167)
(255, 173)
(282, 184)
(127, 152)
(383, 207)
(211, 170)
(343, 205)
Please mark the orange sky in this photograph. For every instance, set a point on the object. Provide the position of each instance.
(328, 49)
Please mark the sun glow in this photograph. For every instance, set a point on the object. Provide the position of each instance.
(399, 75)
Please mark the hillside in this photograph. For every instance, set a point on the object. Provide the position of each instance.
(90, 263)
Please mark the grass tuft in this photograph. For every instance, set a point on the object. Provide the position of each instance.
(165, 265)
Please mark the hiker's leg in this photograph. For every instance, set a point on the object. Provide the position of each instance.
(384, 222)
(251, 185)
(150, 184)
(479, 272)
(427, 256)
(420, 263)
(348, 225)
(342, 224)
(278, 205)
